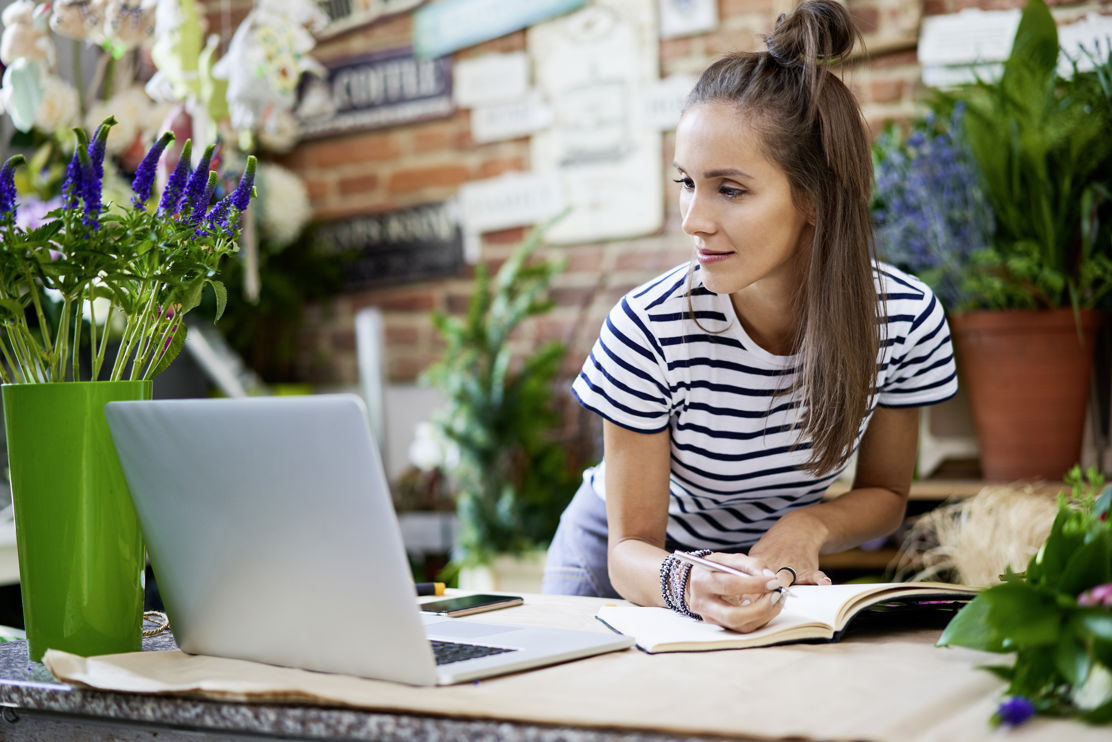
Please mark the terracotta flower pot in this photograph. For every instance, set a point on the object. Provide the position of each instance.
(1027, 374)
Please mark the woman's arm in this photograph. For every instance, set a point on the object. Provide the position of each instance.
(874, 507)
(637, 472)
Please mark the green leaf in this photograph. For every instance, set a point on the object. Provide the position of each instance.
(1097, 622)
(220, 293)
(1022, 616)
(177, 342)
(1089, 565)
(971, 628)
(1072, 659)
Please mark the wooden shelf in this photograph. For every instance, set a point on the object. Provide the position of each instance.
(864, 559)
(937, 490)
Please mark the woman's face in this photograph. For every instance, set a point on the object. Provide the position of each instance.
(736, 204)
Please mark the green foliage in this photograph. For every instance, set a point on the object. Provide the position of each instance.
(1057, 616)
(150, 268)
(1045, 157)
(511, 479)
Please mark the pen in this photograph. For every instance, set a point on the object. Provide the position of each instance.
(718, 567)
(430, 588)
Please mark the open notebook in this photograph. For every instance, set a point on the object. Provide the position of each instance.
(811, 613)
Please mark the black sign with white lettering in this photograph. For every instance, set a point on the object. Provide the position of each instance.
(392, 247)
(375, 91)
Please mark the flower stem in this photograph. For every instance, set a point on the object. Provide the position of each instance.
(44, 328)
(77, 326)
(160, 349)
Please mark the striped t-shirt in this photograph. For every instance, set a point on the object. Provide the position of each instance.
(736, 468)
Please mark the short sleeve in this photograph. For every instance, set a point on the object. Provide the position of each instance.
(623, 379)
(921, 369)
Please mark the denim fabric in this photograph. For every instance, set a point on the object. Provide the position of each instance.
(577, 556)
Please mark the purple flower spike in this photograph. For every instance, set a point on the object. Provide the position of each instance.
(217, 217)
(200, 205)
(92, 187)
(241, 196)
(1014, 711)
(172, 193)
(148, 168)
(196, 185)
(97, 147)
(7, 187)
(77, 172)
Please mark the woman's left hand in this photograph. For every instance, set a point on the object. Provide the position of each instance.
(794, 541)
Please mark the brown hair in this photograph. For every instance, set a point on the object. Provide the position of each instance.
(811, 126)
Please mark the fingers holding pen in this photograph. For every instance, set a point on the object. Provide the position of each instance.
(735, 591)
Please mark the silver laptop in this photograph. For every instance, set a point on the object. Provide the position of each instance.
(272, 536)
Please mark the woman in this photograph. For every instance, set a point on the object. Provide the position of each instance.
(734, 390)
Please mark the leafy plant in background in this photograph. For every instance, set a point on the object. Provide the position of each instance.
(1042, 146)
(1056, 617)
(143, 268)
(510, 478)
(930, 211)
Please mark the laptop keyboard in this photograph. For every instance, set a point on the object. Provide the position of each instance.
(448, 652)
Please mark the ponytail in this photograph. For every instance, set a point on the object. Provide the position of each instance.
(811, 126)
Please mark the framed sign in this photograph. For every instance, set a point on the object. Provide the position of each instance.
(347, 14)
(403, 246)
(374, 91)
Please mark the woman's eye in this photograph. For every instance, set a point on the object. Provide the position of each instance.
(685, 183)
(729, 192)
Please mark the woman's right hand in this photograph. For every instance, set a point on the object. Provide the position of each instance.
(739, 603)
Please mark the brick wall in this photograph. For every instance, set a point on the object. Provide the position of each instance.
(412, 164)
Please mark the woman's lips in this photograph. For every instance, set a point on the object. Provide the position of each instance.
(706, 257)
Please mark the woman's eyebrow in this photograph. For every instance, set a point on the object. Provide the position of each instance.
(728, 172)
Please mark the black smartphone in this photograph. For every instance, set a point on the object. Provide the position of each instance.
(467, 604)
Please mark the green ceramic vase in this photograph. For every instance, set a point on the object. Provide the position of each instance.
(81, 554)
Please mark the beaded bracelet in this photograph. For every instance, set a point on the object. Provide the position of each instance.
(674, 576)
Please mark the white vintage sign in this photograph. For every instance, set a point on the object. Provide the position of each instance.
(687, 17)
(592, 67)
(510, 120)
(491, 78)
(511, 200)
(662, 102)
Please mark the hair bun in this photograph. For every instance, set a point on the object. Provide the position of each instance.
(816, 32)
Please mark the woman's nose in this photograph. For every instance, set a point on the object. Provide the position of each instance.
(696, 214)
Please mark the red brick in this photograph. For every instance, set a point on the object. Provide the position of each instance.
(886, 91)
(401, 334)
(435, 136)
(497, 166)
(358, 184)
(423, 300)
(317, 188)
(432, 176)
(510, 236)
(406, 367)
(338, 151)
(676, 48)
(342, 340)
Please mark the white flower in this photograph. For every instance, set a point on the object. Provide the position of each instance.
(1096, 690)
(132, 108)
(59, 107)
(430, 449)
(283, 203)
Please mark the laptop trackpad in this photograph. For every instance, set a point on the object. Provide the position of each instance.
(453, 629)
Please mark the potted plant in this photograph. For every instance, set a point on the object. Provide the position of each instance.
(1023, 306)
(136, 271)
(508, 472)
